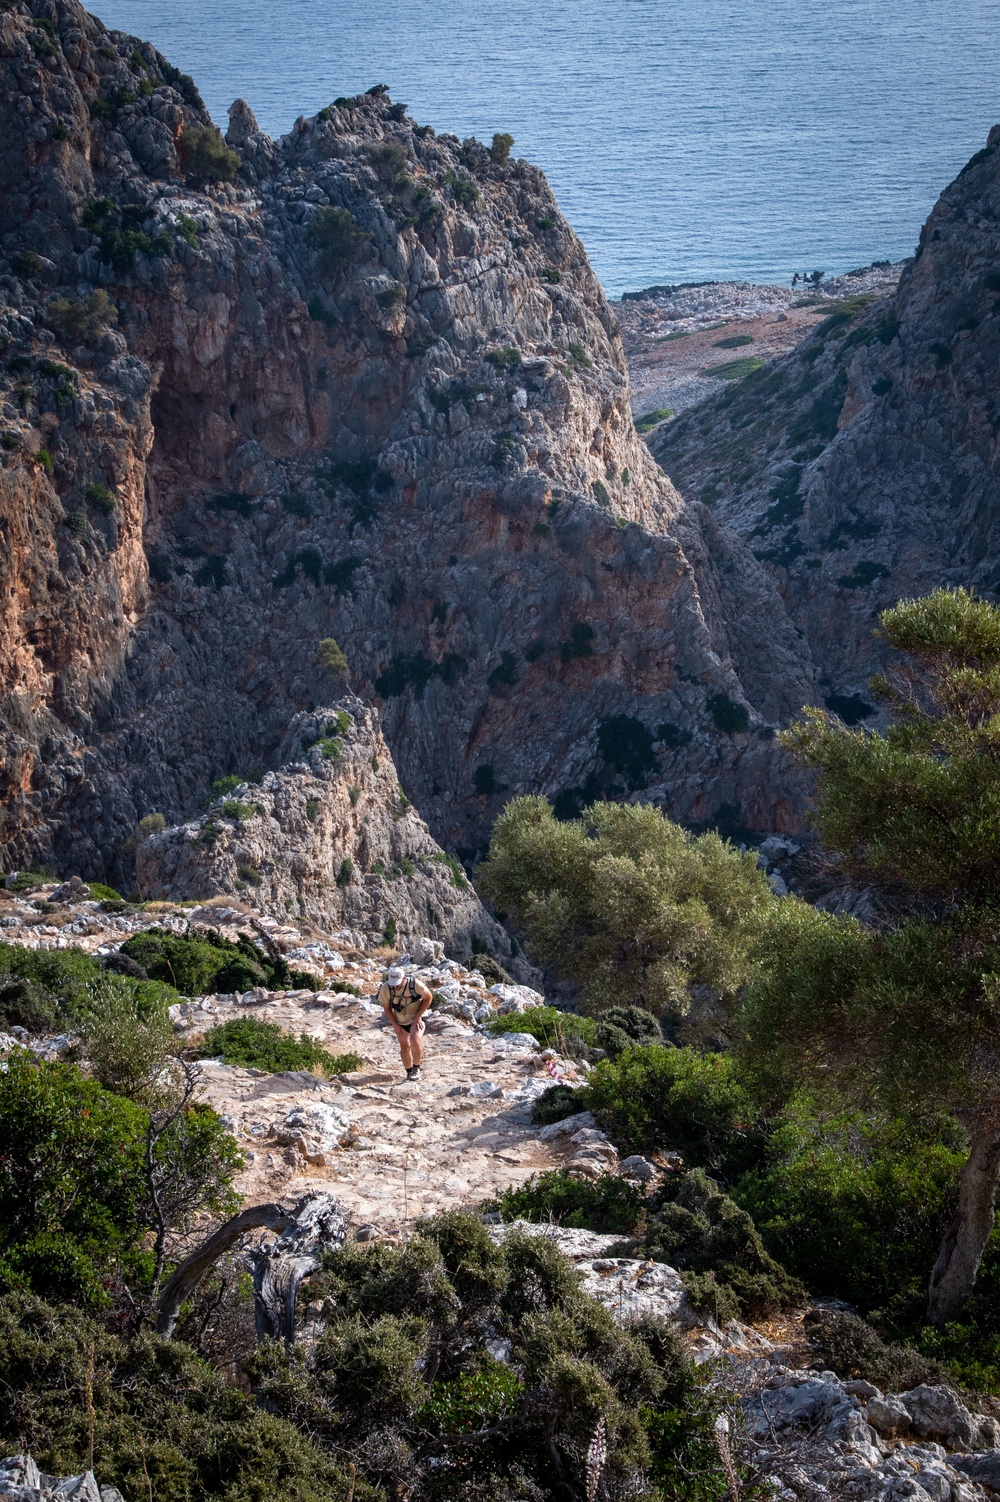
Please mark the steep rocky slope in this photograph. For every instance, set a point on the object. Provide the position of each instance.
(332, 838)
(863, 467)
(367, 389)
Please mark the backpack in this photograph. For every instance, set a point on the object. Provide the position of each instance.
(401, 1004)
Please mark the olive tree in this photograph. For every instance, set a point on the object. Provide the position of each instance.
(907, 1013)
(626, 903)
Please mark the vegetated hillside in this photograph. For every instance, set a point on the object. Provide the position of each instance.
(863, 466)
(359, 383)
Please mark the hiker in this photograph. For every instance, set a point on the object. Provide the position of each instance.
(404, 1001)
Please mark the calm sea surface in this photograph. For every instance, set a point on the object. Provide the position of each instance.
(685, 139)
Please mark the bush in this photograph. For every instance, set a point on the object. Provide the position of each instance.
(101, 893)
(728, 715)
(579, 645)
(128, 1041)
(82, 320)
(380, 1377)
(625, 903)
(490, 969)
(164, 1423)
(556, 1103)
(197, 963)
(608, 1204)
(336, 239)
(251, 1044)
(71, 1158)
(852, 1349)
(505, 360)
(500, 149)
(832, 1191)
(331, 657)
(716, 1245)
(554, 1029)
(654, 1098)
(206, 157)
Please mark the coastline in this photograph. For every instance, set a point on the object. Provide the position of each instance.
(675, 337)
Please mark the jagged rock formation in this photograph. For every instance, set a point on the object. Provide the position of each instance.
(863, 467)
(22, 1481)
(369, 388)
(330, 837)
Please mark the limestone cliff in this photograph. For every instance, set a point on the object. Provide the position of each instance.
(368, 388)
(863, 467)
(331, 837)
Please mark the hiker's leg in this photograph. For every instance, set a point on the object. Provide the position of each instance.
(405, 1047)
(417, 1041)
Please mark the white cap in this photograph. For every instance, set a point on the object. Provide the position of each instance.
(396, 975)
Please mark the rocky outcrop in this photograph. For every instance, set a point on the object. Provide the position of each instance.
(368, 388)
(863, 467)
(330, 837)
(22, 1481)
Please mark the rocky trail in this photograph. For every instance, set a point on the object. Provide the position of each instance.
(391, 1152)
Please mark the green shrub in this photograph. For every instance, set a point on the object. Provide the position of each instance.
(70, 1172)
(233, 809)
(463, 191)
(490, 969)
(251, 1044)
(608, 1204)
(505, 672)
(332, 657)
(650, 419)
(346, 873)
(500, 149)
(553, 1028)
(379, 1365)
(390, 930)
(128, 1041)
(601, 495)
(336, 239)
(734, 370)
(100, 893)
(626, 904)
(166, 1424)
(708, 1238)
(41, 989)
(82, 320)
(229, 784)
(728, 716)
(556, 1103)
(832, 1190)
(655, 1098)
(851, 1348)
(197, 964)
(506, 360)
(206, 157)
(735, 341)
(152, 824)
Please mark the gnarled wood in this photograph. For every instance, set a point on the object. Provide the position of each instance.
(278, 1268)
(186, 1277)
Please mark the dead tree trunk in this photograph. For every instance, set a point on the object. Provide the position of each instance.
(954, 1274)
(186, 1277)
(279, 1267)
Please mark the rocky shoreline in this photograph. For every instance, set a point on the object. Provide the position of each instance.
(675, 337)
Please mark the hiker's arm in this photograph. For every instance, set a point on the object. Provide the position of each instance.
(426, 1000)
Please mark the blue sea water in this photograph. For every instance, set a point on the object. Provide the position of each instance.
(686, 140)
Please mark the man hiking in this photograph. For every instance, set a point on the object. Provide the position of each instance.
(404, 1000)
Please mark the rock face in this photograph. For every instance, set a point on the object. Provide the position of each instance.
(22, 1481)
(370, 389)
(330, 837)
(863, 467)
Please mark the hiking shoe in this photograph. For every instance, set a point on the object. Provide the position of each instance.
(413, 1073)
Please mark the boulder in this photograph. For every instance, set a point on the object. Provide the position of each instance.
(939, 1414)
(567, 1126)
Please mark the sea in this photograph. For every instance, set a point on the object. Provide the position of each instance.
(686, 140)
